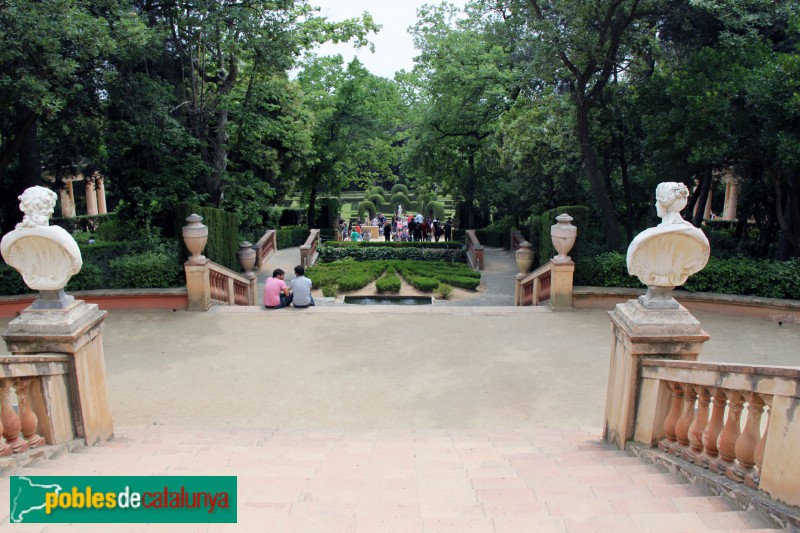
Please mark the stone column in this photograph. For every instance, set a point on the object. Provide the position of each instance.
(91, 198)
(731, 197)
(707, 211)
(66, 203)
(75, 330)
(641, 333)
(101, 195)
(71, 191)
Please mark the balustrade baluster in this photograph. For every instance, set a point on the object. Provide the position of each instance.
(698, 427)
(730, 434)
(11, 422)
(5, 449)
(753, 478)
(713, 429)
(672, 418)
(748, 440)
(28, 420)
(684, 422)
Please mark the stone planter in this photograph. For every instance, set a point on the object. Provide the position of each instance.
(247, 259)
(524, 257)
(563, 234)
(195, 236)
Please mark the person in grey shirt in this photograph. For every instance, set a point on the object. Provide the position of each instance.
(301, 289)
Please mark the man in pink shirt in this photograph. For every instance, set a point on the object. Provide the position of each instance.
(276, 292)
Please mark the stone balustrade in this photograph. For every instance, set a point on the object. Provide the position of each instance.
(308, 251)
(534, 289)
(474, 250)
(516, 239)
(210, 284)
(549, 284)
(738, 421)
(265, 247)
(44, 415)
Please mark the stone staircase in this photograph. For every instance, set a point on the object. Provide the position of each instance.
(516, 480)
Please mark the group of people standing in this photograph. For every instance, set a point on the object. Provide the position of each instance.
(400, 228)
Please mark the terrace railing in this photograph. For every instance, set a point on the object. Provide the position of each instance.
(474, 250)
(266, 246)
(45, 412)
(308, 251)
(534, 289)
(738, 421)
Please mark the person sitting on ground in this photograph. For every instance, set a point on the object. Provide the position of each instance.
(301, 289)
(276, 292)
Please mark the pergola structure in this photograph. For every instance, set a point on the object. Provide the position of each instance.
(95, 195)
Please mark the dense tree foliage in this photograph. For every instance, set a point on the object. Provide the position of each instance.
(514, 107)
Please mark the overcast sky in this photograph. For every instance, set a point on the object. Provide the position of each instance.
(394, 49)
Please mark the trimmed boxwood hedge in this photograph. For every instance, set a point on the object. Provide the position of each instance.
(367, 208)
(328, 254)
(388, 283)
(289, 237)
(223, 234)
(494, 238)
(747, 277)
(399, 187)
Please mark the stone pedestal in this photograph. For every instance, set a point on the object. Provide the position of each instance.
(198, 280)
(561, 285)
(641, 333)
(75, 330)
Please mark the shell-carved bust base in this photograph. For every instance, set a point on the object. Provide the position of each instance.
(46, 256)
(665, 256)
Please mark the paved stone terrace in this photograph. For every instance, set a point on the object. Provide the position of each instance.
(460, 481)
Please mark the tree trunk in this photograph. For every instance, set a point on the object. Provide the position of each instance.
(220, 157)
(702, 198)
(590, 167)
(312, 207)
(626, 186)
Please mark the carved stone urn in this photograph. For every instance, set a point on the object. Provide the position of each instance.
(247, 259)
(524, 257)
(195, 236)
(563, 234)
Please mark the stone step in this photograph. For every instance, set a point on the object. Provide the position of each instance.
(564, 480)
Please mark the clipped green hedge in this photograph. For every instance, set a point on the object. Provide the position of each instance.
(328, 254)
(747, 277)
(146, 270)
(377, 189)
(11, 281)
(366, 207)
(494, 238)
(434, 209)
(456, 275)
(289, 237)
(223, 233)
(399, 188)
(389, 283)
(398, 199)
(423, 283)
(377, 200)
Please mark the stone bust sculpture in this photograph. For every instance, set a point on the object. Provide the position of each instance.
(46, 256)
(665, 256)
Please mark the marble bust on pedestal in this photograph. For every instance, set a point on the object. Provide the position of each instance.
(46, 256)
(663, 257)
